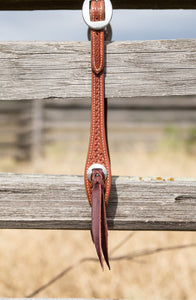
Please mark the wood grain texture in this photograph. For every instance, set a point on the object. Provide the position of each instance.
(77, 4)
(51, 70)
(56, 201)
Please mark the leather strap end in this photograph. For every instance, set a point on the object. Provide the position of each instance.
(99, 222)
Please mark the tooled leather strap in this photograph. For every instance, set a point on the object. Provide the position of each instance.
(98, 191)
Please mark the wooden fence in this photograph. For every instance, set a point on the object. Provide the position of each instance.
(56, 70)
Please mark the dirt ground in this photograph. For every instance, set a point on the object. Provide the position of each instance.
(31, 258)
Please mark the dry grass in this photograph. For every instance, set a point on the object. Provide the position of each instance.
(30, 258)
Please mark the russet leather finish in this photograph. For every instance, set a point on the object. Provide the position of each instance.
(98, 189)
(98, 149)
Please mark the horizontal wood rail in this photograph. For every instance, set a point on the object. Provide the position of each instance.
(77, 4)
(49, 70)
(56, 201)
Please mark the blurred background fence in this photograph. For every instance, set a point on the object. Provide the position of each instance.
(28, 126)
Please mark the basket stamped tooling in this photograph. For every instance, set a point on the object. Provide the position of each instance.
(97, 175)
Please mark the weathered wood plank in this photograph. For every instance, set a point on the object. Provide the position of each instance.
(47, 70)
(56, 201)
(77, 4)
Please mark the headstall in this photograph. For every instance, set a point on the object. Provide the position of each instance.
(97, 15)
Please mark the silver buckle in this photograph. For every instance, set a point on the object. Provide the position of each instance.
(96, 166)
(97, 25)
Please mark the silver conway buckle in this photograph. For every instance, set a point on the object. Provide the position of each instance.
(97, 25)
(96, 166)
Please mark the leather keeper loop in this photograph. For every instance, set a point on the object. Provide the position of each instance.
(97, 47)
